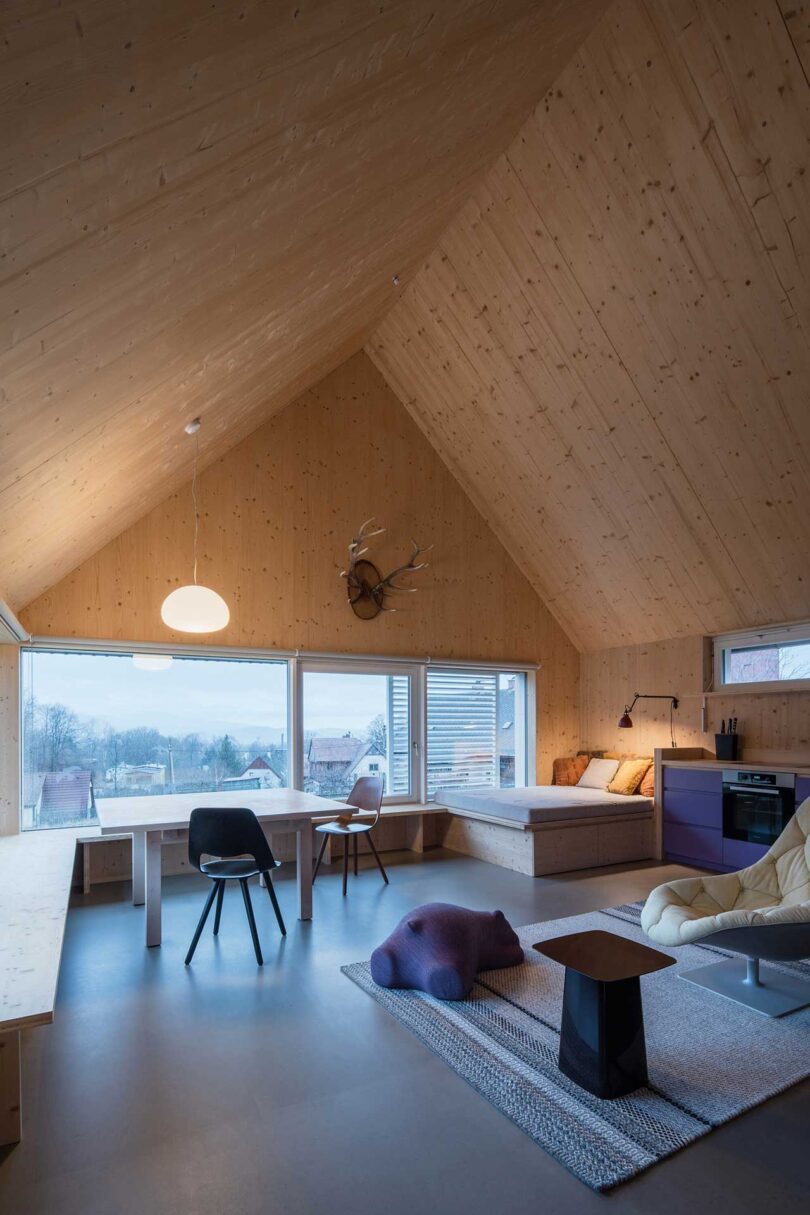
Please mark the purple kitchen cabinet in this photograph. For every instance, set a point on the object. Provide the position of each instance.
(739, 854)
(701, 845)
(700, 809)
(698, 780)
(802, 789)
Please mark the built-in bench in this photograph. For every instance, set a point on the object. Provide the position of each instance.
(36, 874)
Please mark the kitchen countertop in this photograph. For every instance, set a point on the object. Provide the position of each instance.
(797, 766)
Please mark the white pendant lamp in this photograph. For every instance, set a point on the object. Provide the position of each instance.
(194, 608)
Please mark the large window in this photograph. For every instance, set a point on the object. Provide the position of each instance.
(356, 725)
(103, 722)
(778, 656)
(476, 729)
(99, 725)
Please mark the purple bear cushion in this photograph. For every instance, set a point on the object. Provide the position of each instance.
(440, 948)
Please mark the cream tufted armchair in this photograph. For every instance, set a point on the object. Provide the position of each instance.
(762, 912)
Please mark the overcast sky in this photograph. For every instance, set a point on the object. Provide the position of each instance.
(204, 696)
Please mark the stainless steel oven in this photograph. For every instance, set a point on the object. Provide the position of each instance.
(757, 806)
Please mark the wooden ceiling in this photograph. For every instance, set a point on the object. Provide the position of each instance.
(203, 207)
(609, 346)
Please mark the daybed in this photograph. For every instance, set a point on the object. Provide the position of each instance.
(548, 828)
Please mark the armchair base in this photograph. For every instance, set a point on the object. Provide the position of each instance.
(773, 994)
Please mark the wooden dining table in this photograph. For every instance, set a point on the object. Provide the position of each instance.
(155, 820)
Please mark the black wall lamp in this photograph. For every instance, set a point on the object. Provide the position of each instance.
(626, 721)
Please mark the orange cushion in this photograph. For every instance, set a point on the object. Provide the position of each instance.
(629, 776)
(567, 771)
(647, 786)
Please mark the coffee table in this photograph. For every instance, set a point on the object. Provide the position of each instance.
(602, 1045)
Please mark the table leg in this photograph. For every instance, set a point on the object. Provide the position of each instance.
(303, 865)
(153, 884)
(10, 1095)
(602, 1044)
(138, 867)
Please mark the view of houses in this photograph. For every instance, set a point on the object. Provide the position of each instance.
(69, 767)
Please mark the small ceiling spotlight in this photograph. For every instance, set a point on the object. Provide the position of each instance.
(395, 280)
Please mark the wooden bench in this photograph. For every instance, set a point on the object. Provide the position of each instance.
(36, 873)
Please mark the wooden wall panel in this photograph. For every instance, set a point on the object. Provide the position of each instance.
(609, 346)
(202, 208)
(277, 514)
(773, 727)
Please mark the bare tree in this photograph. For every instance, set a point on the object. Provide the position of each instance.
(59, 735)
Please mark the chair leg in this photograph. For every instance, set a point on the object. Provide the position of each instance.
(320, 857)
(269, 882)
(201, 924)
(345, 863)
(218, 912)
(355, 854)
(251, 920)
(377, 858)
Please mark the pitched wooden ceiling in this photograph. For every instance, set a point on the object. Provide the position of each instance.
(609, 346)
(203, 206)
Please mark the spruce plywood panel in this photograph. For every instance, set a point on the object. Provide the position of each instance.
(773, 727)
(277, 514)
(609, 346)
(202, 208)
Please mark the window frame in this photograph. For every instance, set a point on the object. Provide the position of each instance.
(298, 662)
(126, 649)
(741, 639)
(383, 666)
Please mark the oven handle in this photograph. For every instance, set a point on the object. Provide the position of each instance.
(751, 789)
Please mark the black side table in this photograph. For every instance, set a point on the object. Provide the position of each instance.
(602, 1044)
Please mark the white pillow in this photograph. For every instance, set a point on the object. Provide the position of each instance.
(598, 774)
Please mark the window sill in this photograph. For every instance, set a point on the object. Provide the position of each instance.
(761, 689)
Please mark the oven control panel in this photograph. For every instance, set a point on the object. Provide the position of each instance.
(772, 780)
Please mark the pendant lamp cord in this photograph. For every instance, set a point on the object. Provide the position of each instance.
(194, 499)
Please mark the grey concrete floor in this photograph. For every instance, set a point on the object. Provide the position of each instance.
(221, 1087)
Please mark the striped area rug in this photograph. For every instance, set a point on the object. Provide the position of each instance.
(709, 1059)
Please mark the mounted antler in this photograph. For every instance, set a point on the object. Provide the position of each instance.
(365, 585)
(362, 576)
(356, 549)
(410, 567)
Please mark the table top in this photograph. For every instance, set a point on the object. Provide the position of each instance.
(604, 956)
(172, 811)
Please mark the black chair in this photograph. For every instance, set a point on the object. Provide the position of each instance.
(234, 838)
(367, 795)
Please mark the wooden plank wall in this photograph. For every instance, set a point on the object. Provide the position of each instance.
(203, 207)
(277, 514)
(609, 346)
(773, 726)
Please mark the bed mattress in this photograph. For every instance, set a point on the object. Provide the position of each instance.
(540, 803)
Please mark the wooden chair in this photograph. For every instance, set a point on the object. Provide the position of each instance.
(234, 837)
(366, 795)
